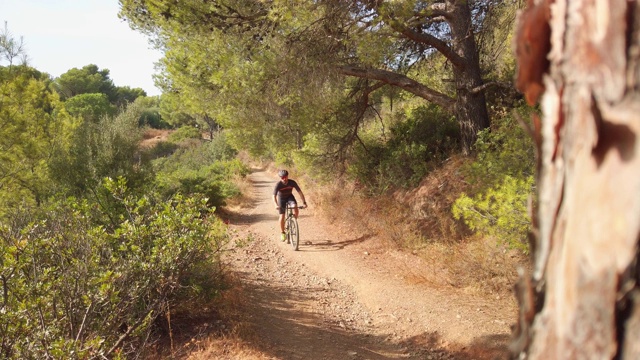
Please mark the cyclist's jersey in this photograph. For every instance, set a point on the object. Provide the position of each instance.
(285, 190)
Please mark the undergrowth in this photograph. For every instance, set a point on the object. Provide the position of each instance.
(87, 279)
(420, 221)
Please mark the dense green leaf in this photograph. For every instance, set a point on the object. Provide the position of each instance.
(72, 288)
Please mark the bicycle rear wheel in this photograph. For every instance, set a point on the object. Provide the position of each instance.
(294, 236)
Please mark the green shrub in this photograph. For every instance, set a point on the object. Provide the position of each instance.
(73, 289)
(219, 148)
(185, 133)
(500, 212)
(108, 148)
(503, 150)
(206, 168)
(416, 145)
(212, 181)
(502, 182)
(162, 149)
(90, 107)
(151, 117)
(365, 165)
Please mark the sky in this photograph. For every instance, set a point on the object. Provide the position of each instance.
(63, 34)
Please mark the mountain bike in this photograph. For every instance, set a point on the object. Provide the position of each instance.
(291, 229)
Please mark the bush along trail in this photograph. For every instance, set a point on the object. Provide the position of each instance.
(346, 296)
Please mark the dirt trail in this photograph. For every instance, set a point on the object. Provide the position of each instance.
(346, 297)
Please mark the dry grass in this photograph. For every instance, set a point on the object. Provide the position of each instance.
(478, 265)
(242, 201)
(420, 221)
(226, 348)
(220, 330)
(150, 137)
(150, 133)
(236, 341)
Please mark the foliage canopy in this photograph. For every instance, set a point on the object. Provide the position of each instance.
(276, 71)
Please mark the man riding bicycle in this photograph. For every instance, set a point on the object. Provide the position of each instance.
(283, 194)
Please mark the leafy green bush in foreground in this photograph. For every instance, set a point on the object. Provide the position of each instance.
(500, 211)
(73, 289)
(502, 178)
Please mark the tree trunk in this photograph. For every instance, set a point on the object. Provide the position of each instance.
(583, 299)
(471, 107)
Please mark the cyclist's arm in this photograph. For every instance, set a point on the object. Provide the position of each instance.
(275, 200)
(304, 202)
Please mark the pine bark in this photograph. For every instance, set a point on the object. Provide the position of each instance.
(582, 300)
(471, 106)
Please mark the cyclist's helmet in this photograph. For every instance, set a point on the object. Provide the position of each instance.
(283, 173)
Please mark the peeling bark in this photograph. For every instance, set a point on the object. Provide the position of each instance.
(585, 280)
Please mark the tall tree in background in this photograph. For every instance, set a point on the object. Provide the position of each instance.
(127, 95)
(90, 106)
(92, 80)
(583, 299)
(88, 80)
(284, 60)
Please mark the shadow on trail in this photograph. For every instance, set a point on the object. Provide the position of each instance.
(263, 183)
(298, 333)
(298, 330)
(303, 334)
(429, 345)
(248, 219)
(315, 245)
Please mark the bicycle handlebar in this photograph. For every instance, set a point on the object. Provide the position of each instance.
(299, 207)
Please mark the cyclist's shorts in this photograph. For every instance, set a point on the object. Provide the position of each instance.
(283, 203)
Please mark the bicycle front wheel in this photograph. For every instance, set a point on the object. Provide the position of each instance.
(294, 236)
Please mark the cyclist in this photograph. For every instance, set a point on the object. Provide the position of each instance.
(283, 194)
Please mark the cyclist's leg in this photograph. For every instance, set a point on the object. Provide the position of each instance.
(282, 209)
(292, 200)
(295, 209)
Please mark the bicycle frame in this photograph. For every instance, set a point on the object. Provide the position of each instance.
(291, 226)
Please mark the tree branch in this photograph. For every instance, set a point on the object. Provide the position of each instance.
(425, 38)
(484, 86)
(430, 40)
(402, 82)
